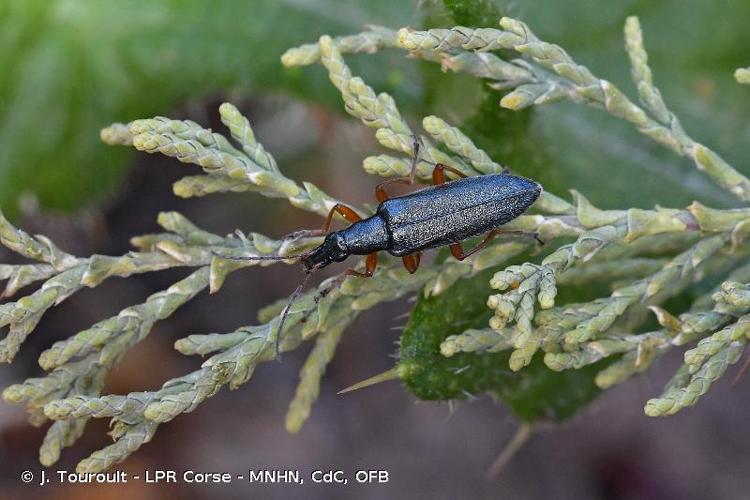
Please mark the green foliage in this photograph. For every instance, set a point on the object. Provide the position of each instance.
(71, 67)
(600, 156)
(475, 12)
(425, 371)
(533, 394)
(586, 150)
(521, 146)
(581, 334)
(545, 354)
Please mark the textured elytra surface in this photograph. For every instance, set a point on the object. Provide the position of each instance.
(455, 211)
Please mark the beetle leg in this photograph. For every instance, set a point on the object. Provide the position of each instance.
(380, 192)
(458, 251)
(371, 262)
(520, 232)
(411, 262)
(438, 174)
(346, 212)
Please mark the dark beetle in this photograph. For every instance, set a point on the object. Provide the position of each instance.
(441, 215)
(444, 214)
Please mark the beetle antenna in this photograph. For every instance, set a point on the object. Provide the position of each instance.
(285, 312)
(259, 257)
(337, 282)
(292, 298)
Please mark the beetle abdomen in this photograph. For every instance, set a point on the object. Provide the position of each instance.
(455, 211)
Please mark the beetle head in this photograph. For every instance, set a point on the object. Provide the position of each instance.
(333, 249)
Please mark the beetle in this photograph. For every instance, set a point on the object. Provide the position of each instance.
(444, 214)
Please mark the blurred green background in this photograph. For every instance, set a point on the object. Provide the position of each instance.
(69, 68)
(72, 67)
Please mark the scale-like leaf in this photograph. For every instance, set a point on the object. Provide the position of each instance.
(533, 393)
